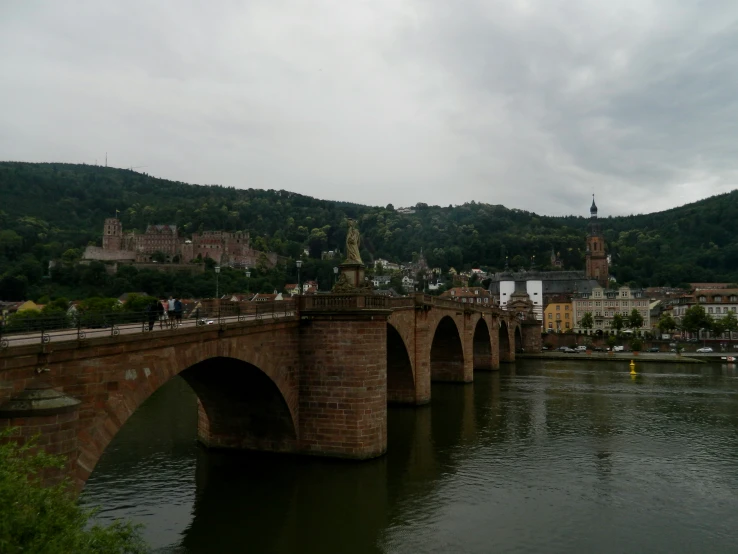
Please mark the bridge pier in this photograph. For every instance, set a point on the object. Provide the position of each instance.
(343, 380)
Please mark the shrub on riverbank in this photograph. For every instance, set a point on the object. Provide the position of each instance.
(35, 519)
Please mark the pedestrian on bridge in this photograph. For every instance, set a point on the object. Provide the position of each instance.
(151, 314)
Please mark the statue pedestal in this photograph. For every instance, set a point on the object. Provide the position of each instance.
(353, 273)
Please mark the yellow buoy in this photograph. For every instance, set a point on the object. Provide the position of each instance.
(632, 367)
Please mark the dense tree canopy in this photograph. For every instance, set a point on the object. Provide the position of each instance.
(52, 211)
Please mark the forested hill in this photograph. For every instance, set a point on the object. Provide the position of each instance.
(48, 209)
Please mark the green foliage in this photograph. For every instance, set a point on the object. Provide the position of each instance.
(635, 319)
(729, 322)
(618, 322)
(47, 520)
(666, 322)
(587, 320)
(612, 341)
(695, 318)
(636, 345)
(138, 302)
(58, 209)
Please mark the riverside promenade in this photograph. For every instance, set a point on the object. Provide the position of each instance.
(640, 357)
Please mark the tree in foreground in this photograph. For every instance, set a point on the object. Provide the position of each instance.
(617, 323)
(635, 320)
(587, 320)
(36, 519)
(695, 318)
(666, 323)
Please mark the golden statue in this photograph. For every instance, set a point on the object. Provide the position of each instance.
(352, 244)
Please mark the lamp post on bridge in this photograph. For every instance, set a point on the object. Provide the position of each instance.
(335, 275)
(299, 284)
(248, 282)
(217, 274)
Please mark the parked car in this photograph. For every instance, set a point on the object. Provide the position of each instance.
(599, 349)
(567, 349)
(654, 349)
(618, 348)
(545, 348)
(581, 348)
(704, 350)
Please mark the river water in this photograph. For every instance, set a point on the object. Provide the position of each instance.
(544, 456)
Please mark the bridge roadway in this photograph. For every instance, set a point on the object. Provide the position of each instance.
(312, 376)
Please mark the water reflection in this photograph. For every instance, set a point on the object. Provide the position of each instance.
(543, 456)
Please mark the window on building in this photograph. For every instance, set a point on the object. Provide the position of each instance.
(558, 307)
(550, 325)
(566, 316)
(567, 325)
(566, 307)
(709, 310)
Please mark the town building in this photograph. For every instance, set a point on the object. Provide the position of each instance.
(469, 295)
(558, 316)
(556, 260)
(717, 302)
(224, 248)
(603, 304)
(544, 287)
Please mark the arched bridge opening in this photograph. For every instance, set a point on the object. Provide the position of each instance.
(400, 379)
(506, 352)
(518, 340)
(447, 352)
(239, 406)
(482, 346)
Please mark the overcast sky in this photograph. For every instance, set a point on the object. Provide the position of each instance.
(534, 104)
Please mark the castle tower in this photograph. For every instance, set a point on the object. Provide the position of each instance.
(112, 234)
(596, 259)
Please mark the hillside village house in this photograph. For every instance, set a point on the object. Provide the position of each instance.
(603, 304)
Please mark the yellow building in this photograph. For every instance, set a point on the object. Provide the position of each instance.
(558, 317)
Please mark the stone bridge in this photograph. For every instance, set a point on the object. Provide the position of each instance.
(314, 379)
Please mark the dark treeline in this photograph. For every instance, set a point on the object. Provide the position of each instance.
(52, 211)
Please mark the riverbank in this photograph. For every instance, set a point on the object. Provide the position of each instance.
(641, 357)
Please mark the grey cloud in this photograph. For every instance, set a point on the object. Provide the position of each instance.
(532, 104)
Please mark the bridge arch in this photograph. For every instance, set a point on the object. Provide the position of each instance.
(518, 333)
(239, 406)
(482, 343)
(400, 375)
(447, 352)
(506, 352)
(245, 400)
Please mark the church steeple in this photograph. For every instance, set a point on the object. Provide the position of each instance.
(595, 256)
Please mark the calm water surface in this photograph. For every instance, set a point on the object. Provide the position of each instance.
(540, 457)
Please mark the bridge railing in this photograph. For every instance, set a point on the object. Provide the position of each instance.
(339, 302)
(42, 329)
(428, 300)
(402, 302)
